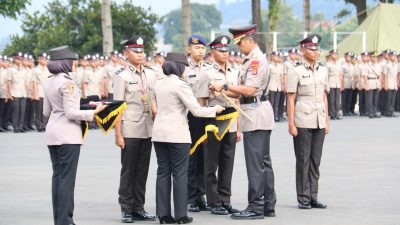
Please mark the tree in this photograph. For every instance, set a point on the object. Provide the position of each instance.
(12, 8)
(361, 7)
(273, 16)
(106, 27)
(77, 23)
(204, 18)
(187, 29)
(256, 19)
(307, 15)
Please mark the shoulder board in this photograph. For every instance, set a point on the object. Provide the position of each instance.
(67, 76)
(298, 63)
(50, 76)
(148, 67)
(206, 63)
(321, 64)
(120, 70)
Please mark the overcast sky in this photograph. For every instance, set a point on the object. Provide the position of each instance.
(160, 7)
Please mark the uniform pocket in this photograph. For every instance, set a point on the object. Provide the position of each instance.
(132, 116)
(133, 87)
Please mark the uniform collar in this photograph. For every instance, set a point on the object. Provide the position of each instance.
(135, 70)
(308, 66)
(193, 64)
(217, 67)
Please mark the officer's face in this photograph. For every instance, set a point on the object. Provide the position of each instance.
(347, 58)
(42, 61)
(244, 46)
(197, 52)
(134, 58)
(310, 54)
(114, 58)
(374, 59)
(392, 57)
(219, 56)
(365, 58)
(334, 56)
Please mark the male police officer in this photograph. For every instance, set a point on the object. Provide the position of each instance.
(335, 83)
(308, 120)
(252, 88)
(135, 85)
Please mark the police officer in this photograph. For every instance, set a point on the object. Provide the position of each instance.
(308, 121)
(252, 89)
(348, 76)
(391, 73)
(275, 82)
(135, 85)
(172, 140)
(354, 94)
(63, 133)
(372, 86)
(361, 71)
(111, 69)
(220, 154)
(17, 91)
(335, 83)
(40, 76)
(3, 91)
(198, 81)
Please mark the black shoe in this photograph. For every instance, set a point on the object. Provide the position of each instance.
(183, 220)
(371, 116)
(338, 118)
(16, 131)
(126, 217)
(247, 214)
(333, 118)
(318, 205)
(229, 208)
(193, 207)
(219, 210)
(305, 205)
(377, 115)
(143, 216)
(2, 130)
(6, 128)
(202, 204)
(269, 213)
(166, 220)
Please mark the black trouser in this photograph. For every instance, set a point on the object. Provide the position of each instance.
(372, 97)
(361, 102)
(172, 160)
(64, 159)
(219, 155)
(261, 193)
(110, 96)
(383, 101)
(29, 114)
(39, 117)
(135, 160)
(2, 112)
(346, 100)
(397, 105)
(334, 102)
(308, 150)
(282, 100)
(391, 101)
(274, 99)
(18, 113)
(196, 183)
(354, 94)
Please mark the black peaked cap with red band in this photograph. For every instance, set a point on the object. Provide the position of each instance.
(311, 41)
(135, 43)
(243, 31)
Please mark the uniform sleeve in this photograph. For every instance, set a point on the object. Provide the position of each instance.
(186, 95)
(293, 81)
(255, 73)
(46, 106)
(327, 88)
(119, 88)
(203, 90)
(85, 76)
(9, 75)
(71, 104)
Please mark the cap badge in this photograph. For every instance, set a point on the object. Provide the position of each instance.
(139, 41)
(224, 41)
(315, 40)
(195, 40)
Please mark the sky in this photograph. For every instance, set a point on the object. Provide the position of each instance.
(161, 7)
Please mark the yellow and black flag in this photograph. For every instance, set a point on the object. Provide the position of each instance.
(217, 126)
(106, 118)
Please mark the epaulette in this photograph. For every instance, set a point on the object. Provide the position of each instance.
(120, 70)
(298, 63)
(206, 63)
(50, 76)
(67, 76)
(321, 64)
(148, 67)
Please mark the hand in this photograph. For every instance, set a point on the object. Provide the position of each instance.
(119, 141)
(238, 136)
(219, 108)
(216, 93)
(293, 130)
(99, 108)
(327, 129)
(216, 87)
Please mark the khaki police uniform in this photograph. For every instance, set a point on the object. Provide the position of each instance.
(17, 78)
(220, 155)
(391, 71)
(361, 71)
(310, 84)
(334, 71)
(4, 103)
(136, 87)
(276, 71)
(372, 94)
(111, 69)
(40, 76)
(94, 78)
(29, 113)
(348, 82)
(256, 133)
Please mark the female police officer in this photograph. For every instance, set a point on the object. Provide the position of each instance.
(171, 137)
(63, 131)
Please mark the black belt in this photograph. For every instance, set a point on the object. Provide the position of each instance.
(372, 78)
(252, 99)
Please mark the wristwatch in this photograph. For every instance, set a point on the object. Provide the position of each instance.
(225, 87)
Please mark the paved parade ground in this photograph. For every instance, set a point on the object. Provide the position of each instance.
(360, 179)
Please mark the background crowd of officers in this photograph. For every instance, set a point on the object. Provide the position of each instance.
(370, 79)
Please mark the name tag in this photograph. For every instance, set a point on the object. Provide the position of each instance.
(306, 76)
(133, 82)
(218, 78)
(193, 75)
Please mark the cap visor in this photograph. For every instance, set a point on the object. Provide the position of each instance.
(311, 47)
(139, 50)
(222, 49)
